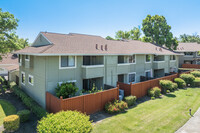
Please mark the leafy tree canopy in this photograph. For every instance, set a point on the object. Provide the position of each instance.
(109, 38)
(156, 28)
(189, 38)
(133, 34)
(9, 41)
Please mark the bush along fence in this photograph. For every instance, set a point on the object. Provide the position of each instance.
(195, 66)
(141, 89)
(88, 104)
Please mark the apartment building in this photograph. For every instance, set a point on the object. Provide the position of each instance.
(86, 60)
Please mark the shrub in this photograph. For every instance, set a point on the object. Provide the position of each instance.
(24, 115)
(174, 86)
(11, 123)
(196, 82)
(116, 106)
(196, 73)
(28, 101)
(152, 98)
(130, 100)
(66, 90)
(154, 92)
(166, 85)
(180, 82)
(65, 121)
(188, 78)
(168, 91)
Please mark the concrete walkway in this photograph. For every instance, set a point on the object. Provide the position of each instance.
(192, 125)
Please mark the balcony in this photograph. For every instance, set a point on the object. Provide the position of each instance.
(159, 65)
(92, 71)
(93, 67)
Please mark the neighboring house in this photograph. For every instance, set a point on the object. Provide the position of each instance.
(190, 53)
(9, 67)
(88, 60)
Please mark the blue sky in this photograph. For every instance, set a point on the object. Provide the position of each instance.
(103, 17)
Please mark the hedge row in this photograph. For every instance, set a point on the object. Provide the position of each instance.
(28, 101)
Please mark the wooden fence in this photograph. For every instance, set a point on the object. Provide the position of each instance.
(191, 66)
(88, 104)
(140, 89)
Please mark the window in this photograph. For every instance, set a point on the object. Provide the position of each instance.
(122, 59)
(132, 59)
(30, 79)
(23, 78)
(27, 57)
(198, 53)
(172, 57)
(67, 61)
(148, 73)
(132, 77)
(148, 59)
(188, 53)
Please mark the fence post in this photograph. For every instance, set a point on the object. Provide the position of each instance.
(47, 101)
(61, 103)
(84, 104)
(117, 92)
(130, 89)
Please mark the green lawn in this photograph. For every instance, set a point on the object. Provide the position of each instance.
(164, 115)
(6, 108)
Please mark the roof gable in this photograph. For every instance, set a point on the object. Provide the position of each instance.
(41, 40)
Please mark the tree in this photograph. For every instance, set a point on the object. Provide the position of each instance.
(109, 38)
(190, 38)
(135, 34)
(158, 30)
(122, 35)
(9, 41)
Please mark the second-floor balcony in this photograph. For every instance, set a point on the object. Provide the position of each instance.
(92, 67)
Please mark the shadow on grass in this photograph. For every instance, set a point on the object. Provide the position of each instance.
(7, 107)
(170, 95)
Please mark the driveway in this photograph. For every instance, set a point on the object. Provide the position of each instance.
(192, 125)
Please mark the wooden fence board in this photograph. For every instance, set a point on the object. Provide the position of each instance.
(89, 103)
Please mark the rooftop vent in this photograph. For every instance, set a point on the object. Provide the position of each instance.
(160, 49)
(106, 47)
(96, 46)
(102, 47)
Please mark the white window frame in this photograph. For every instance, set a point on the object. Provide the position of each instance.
(148, 71)
(28, 58)
(145, 58)
(128, 77)
(31, 76)
(24, 78)
(67, 67)
(135, 59)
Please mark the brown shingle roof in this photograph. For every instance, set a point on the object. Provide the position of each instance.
(188, 47)
(9, 62)
(79, 44)
(9, 59)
